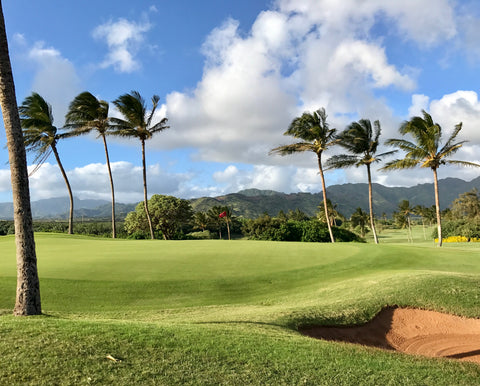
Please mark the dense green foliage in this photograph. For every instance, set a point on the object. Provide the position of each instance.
(283, 229)
(169, 216)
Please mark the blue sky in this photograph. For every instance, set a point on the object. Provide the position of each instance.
(232, 75)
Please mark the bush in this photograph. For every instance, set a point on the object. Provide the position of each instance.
(201, 235)
(275, 229)
(468, 229)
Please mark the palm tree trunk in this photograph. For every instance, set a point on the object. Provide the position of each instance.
(437, 207)
(324, 191)
(114, 230)
(145, 198)
(28, 285)
(228, 228)
(370, 204)
(70, 194)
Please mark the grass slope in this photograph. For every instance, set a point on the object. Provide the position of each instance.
(219, 312)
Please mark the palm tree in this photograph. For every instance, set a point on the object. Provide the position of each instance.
(138, 124)
(200, 220)
(27, 300)
(402, 217)
(87, 113)
(361, 141)
(316, 136)
(333, 213)
(359, 218)
(426, 152)
(41, 136)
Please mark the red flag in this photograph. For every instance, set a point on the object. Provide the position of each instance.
(223, 214)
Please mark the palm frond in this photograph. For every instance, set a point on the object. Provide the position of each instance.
(293, 148)
(462, 163)
(406, 163)
(342, 161)
(40, 160)
(159, 126)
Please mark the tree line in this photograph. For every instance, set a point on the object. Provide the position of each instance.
(421, 142)
(88, 114)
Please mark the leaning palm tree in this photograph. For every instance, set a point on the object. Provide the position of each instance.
(426, 152)
(87, 113)
(137, 123)
(41, 137)
(361, 141)
(27, 300)
(316, 136)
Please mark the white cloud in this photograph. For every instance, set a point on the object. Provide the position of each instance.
(253, 85)
(91, 181)
(5, 184)
(55, 79)
(123, 39)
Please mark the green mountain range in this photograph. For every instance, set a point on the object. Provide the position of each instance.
(252, 203)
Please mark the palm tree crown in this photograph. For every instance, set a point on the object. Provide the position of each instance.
(426, 152)
(87, 113)
(138, 121)
(138, 124)
(41, 136)
(39, 133)
(361, 140)
(316, 136)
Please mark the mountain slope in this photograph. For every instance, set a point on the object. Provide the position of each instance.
(252, 203)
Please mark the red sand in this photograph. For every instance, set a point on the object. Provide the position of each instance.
(412, 331)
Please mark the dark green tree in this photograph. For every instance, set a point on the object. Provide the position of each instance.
(168, 215)
(200, 220)
(359, 219)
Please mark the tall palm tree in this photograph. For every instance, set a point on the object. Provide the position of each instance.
(425, 151)
(316, 136)
(138, 123)
(87, 113)
(27, 300)
(41, 136)
(361, 140)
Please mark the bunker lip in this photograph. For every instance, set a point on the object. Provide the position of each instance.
(411, 331)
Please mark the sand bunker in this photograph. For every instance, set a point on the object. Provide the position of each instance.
(412, 331)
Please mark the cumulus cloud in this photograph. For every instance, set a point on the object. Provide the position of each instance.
(279, 178)
(55, 78)
(123, 39)
(448, 111)
(254, 84)
(92, 181)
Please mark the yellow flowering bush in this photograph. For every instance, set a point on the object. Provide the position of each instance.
(459, 239)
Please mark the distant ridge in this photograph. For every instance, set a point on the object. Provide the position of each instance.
(251, 203)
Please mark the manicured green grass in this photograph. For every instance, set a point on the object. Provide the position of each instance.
(219, 312)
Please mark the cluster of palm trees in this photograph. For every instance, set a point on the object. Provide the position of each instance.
(88, 114)
(215, 217)
(361, 140)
